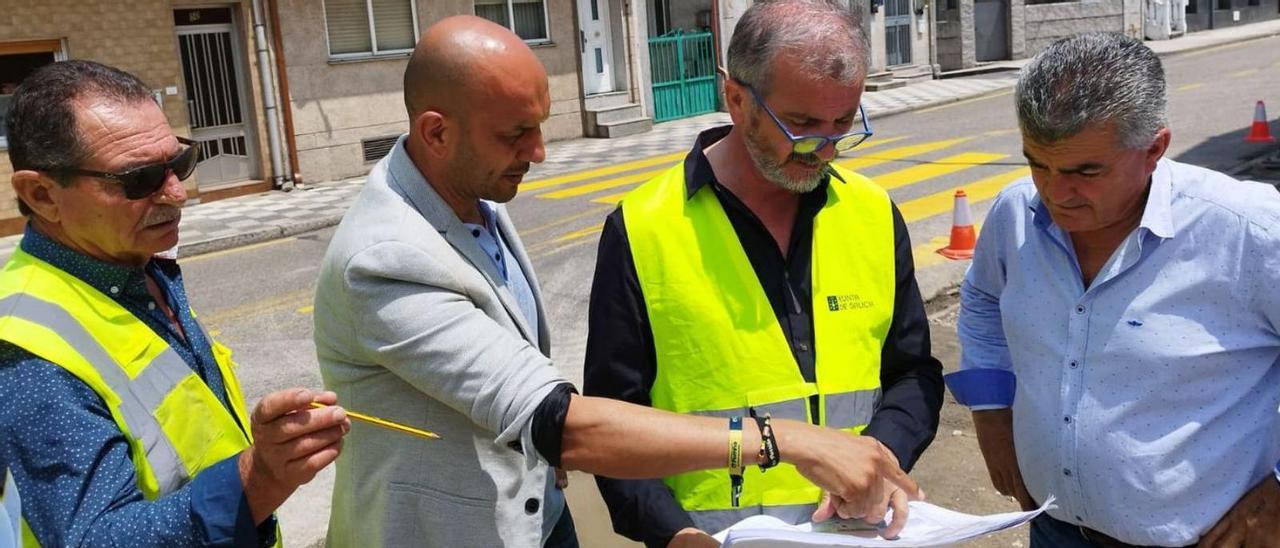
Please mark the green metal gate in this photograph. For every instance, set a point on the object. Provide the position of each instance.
(683, 70)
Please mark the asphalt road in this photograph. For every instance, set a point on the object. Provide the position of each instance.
(257, 299)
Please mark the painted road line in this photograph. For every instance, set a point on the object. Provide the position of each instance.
(306, 309)
(1189, 87)
(1243, 73)
(612, 198)
(524, 234)
(926, 255)
(1000, 132)
(602, 171)
(899, 153)
(930, 170)
(637, 178)
(580, 190)
(942, 202)
(577, 236)
(250, 247)
(964, 102)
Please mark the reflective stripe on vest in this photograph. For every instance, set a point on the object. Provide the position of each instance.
(720, 350)
(140, 397)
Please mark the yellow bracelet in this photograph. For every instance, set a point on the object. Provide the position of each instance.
(736, 465)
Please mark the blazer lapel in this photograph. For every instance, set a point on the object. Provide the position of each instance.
(409, 182)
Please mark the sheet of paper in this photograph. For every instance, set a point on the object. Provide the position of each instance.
(928, 525)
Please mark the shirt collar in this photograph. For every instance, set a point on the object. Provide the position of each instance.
(697, 168)
(489, 216)
(1157, 214)
(101, 275)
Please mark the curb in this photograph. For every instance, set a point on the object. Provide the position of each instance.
(275, 232)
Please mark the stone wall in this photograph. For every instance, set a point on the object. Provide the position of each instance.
(1048, 22)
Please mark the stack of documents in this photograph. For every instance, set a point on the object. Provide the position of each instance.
(928, 525)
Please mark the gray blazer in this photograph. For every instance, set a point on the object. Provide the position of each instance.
(413, 323)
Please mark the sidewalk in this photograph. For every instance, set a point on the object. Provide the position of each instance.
(235, 222)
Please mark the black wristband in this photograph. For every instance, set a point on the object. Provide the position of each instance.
(768, 455)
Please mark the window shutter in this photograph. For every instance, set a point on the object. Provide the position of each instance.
(493, 10)
(531, 19)
(393, 22)
(348, 24)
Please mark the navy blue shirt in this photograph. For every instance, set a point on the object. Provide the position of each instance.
(69, 459)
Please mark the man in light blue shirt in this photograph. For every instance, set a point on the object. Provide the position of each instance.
(1133, 304)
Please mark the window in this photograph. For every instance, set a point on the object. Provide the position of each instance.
(17, 60)
(369, 28)
(526, 18)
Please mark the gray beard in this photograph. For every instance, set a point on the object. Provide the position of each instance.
(773, 171)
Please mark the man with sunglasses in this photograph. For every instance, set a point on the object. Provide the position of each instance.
(759, 279)
(123, 422)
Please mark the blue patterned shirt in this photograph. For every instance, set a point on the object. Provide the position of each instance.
(70, 460)
(1146, 402)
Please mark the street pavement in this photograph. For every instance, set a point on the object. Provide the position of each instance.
(250, 262)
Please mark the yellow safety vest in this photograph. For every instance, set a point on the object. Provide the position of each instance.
(174, 423)
(720, 350)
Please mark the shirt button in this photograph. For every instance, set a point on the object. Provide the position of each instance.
(1066, 420)
(803, 347)
(1065, 472)
(1079, 519)
(1079, 309)
(115, 290)
(1075, 364)
(151, 306)
(531, 506)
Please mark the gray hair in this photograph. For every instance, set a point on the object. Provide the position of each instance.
(1089, 80)
(826, 34)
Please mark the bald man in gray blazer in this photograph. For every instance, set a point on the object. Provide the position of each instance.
(427, 312)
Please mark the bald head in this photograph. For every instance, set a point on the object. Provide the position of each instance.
(460, 59)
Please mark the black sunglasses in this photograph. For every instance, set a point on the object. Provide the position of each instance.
(141, 182)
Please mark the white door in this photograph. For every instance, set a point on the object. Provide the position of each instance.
(595, 44)
(211, 69)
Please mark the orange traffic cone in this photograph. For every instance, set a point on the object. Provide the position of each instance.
(963, 236)
(1260, 132)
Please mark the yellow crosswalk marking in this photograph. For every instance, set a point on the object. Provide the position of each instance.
(602, 171)
(942, 202)
(611, 199)
(1189, 87)
(899, 153)
(1243, 73)
(864, 161)
(606, 184)
(926, 255)
(580, 233)
(635, 178)
(945, 166)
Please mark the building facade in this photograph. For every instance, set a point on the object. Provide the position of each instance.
(971, 32)
(197, 59)
(345, 64)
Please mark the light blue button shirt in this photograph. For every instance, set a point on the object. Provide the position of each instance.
(498, 251)
(1147, 402)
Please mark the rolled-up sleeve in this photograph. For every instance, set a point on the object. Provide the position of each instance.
(986, 379)
(431, 333)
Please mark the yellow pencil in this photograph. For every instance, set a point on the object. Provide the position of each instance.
(385, 423)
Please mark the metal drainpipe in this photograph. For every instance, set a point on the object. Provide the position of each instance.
(282, 78)
(268, 99)
(931, 10)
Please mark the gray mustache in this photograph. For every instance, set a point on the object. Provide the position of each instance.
(162, 215)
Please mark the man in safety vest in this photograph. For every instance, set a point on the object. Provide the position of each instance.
(123, 422)
(758, 279)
